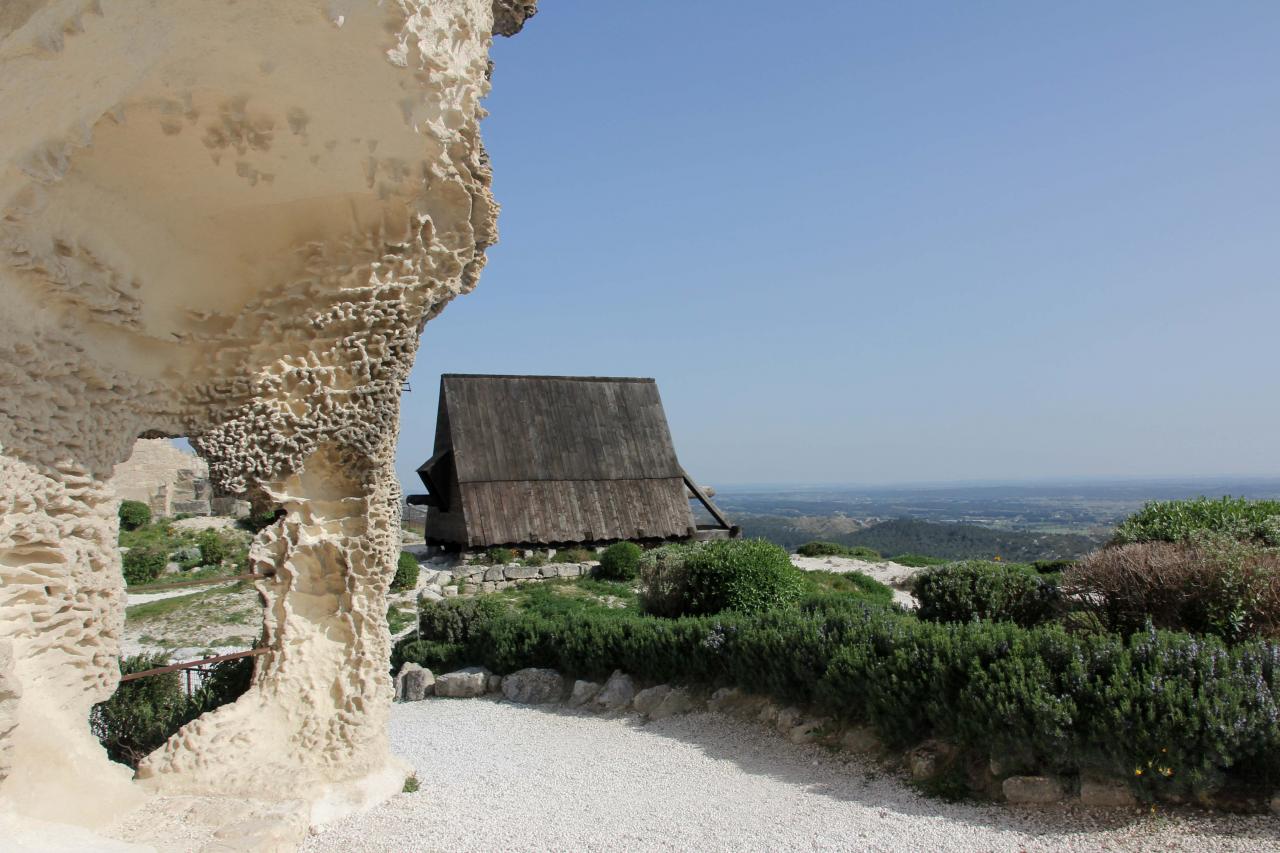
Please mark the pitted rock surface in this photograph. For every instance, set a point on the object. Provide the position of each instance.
(229, 221)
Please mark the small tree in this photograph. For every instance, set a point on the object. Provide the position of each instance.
(213, 548)
(620, 561)
(143, 564)
(134, 514)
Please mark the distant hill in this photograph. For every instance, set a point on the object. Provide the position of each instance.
(935, 539)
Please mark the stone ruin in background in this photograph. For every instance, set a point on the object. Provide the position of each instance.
(171, 482)
(227, 221)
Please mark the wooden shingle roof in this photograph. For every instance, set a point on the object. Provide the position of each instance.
(553, 459)
(507, 428)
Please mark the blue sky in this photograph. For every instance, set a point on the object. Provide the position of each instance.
(878, 242)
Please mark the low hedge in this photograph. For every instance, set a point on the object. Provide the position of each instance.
(975, 590)
(1179, 521)
(834, 549)
(1172, 712)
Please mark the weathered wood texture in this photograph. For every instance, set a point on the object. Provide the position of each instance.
(554, 459)
(554, 428)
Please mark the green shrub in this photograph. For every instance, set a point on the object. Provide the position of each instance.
(500, 556)
(1212, 585)
(620, 561)
(974, 589)
(1179, 521)
(406, 576)
(434, 655)
(535, 560)
(142, 714)
(919, 561)
(664, 578)
(454, 619)
(143, 564)
(134, 514)
(833, 549)
(746, 575)
(574, 555)
(213, 548)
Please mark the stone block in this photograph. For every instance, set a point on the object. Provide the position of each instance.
(469, 588)
(191, 508)
(583, 692)
(1106, 793)
(650, 698)
(929, 759)
(520, 572)
(724, 699)
(1032, 790)
(809, 731)
(494, 574)
(616, 694)
(677, 701)
(414, 682)
(465, 683)
(533, 686)
(860, 739)
(788, 718)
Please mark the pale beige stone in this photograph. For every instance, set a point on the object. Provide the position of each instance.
(228, 221)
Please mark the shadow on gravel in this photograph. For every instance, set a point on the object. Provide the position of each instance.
(756, 749)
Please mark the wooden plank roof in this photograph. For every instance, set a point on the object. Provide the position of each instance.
(539, 428)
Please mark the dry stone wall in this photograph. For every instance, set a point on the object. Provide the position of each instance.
(228, 221)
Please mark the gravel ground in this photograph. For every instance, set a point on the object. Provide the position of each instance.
(497, 776)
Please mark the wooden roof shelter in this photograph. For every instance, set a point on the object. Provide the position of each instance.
(522, 460)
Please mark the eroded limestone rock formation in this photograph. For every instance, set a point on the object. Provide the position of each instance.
(230, 221)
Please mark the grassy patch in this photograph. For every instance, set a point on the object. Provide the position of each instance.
(851, 584)
(398, 620)
(558, 598)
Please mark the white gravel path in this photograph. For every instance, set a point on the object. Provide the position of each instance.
(133, 598)
(497, 776)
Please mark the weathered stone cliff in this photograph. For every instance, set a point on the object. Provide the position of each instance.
(228, 221)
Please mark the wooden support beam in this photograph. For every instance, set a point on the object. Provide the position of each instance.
(705, 500)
